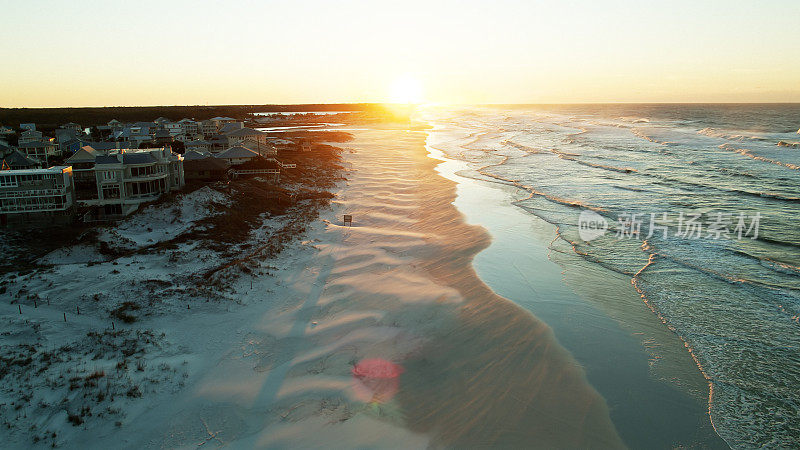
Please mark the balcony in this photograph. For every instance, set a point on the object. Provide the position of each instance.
(147, 177)
(33, 193)
(31, 208)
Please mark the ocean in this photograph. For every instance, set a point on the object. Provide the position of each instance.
(674, 232)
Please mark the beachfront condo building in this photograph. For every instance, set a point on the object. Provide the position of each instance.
(127, 178)
(37, 196)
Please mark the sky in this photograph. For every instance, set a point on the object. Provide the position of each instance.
(174, 52)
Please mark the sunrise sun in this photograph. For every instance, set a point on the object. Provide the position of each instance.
(406, 89)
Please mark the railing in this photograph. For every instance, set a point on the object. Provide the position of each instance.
(31, 208)
(32, 193)
(257, 171)
(151, 176)
(152, 195)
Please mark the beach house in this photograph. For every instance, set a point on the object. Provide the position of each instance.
(33, 196)
(220, 121)
(208, 128)
(198, 145)
(199, 167)
(190, 128)
(42, 149)
(237, 155)
(127, 178)
(82, 163)
(30, 136)
(255, 140)
(73, 127)
(229, 127)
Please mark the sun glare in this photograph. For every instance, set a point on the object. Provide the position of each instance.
(406, 89)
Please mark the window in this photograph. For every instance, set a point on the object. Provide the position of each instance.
(111, 192)
(8, 181)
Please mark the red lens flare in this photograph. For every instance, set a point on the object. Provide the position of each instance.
(376, 380)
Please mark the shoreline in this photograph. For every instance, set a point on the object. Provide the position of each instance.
(637, 333)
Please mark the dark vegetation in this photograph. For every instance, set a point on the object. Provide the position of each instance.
(35, 243)
(50, 118)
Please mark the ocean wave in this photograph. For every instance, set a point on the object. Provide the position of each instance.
(736, 173)
(524, 148)
(641, 134)
(729, 135)
(766, 262)
(628, 188)
(634, 119)
(574, 158)
(749, 154)
(789, 144)
(670, 181)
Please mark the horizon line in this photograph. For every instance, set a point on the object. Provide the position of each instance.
(393, 104)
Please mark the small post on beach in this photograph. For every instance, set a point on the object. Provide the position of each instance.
(79, 309)
(20, 308)
(348, 220)
(65, 317)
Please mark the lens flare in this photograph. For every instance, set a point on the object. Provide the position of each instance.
(376, 380)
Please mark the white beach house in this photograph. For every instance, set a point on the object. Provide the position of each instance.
(37, 196)
(127, 178)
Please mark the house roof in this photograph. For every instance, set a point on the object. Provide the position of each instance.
(228, 127)
(197, 143)
(103, 146)
(85, 155)
(63, 134)
(18, 159)
(192, 155)
(185, 121)
(35, 144)
(244, 132)
(127, 158)
(53, 169)
(222, 118)
(237, 153)
(71, 141)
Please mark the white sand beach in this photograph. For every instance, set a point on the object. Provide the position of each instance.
(284, 366)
